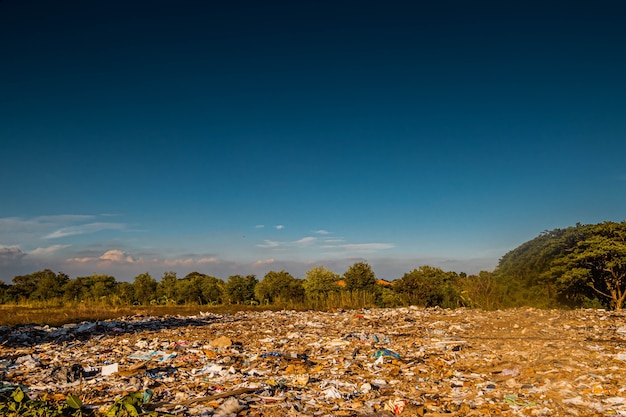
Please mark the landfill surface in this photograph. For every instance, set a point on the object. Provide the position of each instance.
(372, 362)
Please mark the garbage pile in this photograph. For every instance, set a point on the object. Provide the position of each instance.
(374, 362)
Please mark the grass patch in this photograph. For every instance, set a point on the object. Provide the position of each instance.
(56, 313)
(18, 315)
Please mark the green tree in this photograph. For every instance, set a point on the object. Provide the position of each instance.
(239, 289)
(188, 292)
(212, 289)
(482, 291)
(41, 285)
(144, 288)
(594, 265)
(319, 282)
(76, 290)
(279, 286)
(360, 276)
(166, 289)
(102, 286)
(4, 293)
(429, 286)
(125, 291)
(577, 266)
(519, 272)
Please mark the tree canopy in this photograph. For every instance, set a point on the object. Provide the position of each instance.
(320, 281)
(428, 286)
(279, 286)
(582, 265)
(360, 276)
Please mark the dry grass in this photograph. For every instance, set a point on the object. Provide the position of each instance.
(56, 313)
(16, 315)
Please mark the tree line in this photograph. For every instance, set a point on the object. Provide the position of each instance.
(321, 287)
(579, 266)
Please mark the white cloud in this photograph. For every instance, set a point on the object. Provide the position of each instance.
(279, 227)
(366, 246)
(359, 247)
(81, 260)
(211, 260)
(115, 255)
(178, 262)
(305, 241)
(64, 218)
(265, 262)
(334, 240)
(259, 226)
(84, 228)
(10, 254)
(48, 250)
(269, 244)
(322, 232)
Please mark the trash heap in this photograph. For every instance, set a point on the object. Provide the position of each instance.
(374, 362)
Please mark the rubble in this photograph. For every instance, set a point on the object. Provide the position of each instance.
(374, 362)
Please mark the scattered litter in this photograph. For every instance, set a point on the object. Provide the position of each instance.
(110, 369)
(372, 362)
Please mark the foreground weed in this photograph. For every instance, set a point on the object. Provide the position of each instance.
(131, 406)
(19, 405)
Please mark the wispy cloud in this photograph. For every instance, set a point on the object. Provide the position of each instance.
(17, 230)
(306, 241)
(64, 218)
(83, 229)
(279, 227)
(334, 240)
(265, 262)
(211, 260)
(47, 250)
(322, 232)
(178, 262)
(367, 246)
(259, 226)
(269, 244)
(359, 247)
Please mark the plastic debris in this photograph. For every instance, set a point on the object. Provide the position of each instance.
(371, 362)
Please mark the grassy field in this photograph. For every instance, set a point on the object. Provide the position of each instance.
(16, 315)
(56, 313)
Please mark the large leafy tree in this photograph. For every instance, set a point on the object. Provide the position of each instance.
(279, 286)
(199, 288)
(360, 276)
(519, 274)
(166, 289)
(125, 292)
(594, 265)
(577, 266)
(212, 289)
(320, 282)
(240, 289)
(144, 288)
(429, 286)
(92, 288)
(41, 285)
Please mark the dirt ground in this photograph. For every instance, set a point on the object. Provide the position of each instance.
(378, 362)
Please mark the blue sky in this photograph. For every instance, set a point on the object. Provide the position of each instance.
(253, 136)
